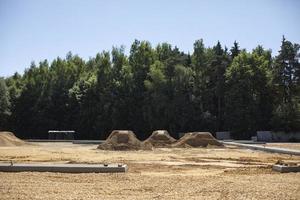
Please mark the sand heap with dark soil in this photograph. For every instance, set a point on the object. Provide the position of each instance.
(121, 140)
(197, 139)
(159, 138)
(9, 139)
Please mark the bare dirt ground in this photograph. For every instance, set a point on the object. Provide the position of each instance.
(198, 173)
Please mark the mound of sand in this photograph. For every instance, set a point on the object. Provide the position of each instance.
(159, 138)
(197, 139)
(121, 140)
(9, 139)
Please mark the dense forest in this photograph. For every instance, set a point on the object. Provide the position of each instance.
(212, 89)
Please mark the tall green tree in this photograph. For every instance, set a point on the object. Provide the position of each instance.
(140, 59)
(156, 106)
(235, 50)
(286, 78)
(29, 112)
(122, 89)
(247, 91)
(202, 117)
(213, 82)
(4, 104)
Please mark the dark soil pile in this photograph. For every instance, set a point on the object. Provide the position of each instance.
(9, 139)
(197, 139)
(121, 140)
(159, 138)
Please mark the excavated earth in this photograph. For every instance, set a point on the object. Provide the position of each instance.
(159, 138)
(9, 139)
(163, 173)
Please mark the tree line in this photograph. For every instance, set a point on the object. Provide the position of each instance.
(212, 89)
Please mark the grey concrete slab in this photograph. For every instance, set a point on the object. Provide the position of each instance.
(245, 141)
(263, 148)
(285, 169)
(64, 168)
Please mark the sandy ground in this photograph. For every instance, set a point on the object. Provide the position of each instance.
(223, 173)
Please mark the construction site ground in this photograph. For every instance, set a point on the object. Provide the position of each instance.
(163, 173)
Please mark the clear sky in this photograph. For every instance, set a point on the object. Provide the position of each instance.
(33, 30)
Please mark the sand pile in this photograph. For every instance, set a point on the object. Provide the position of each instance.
(159, 138)
(9, 139)
(121, 140)
(197, 139)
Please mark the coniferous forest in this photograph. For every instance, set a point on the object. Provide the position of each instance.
(211, 89)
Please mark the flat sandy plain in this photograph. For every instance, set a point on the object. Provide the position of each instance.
(198, 173)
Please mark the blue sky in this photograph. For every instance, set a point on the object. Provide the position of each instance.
(33, 30)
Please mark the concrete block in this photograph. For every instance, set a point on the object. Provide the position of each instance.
(254, 138)
(265, 136)
(223, 135)
(63, 168)
(285, 169)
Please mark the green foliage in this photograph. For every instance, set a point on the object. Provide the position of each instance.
(235, 50)
(212, 89)
(286, 79)
(248, 94)
(4, 104)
